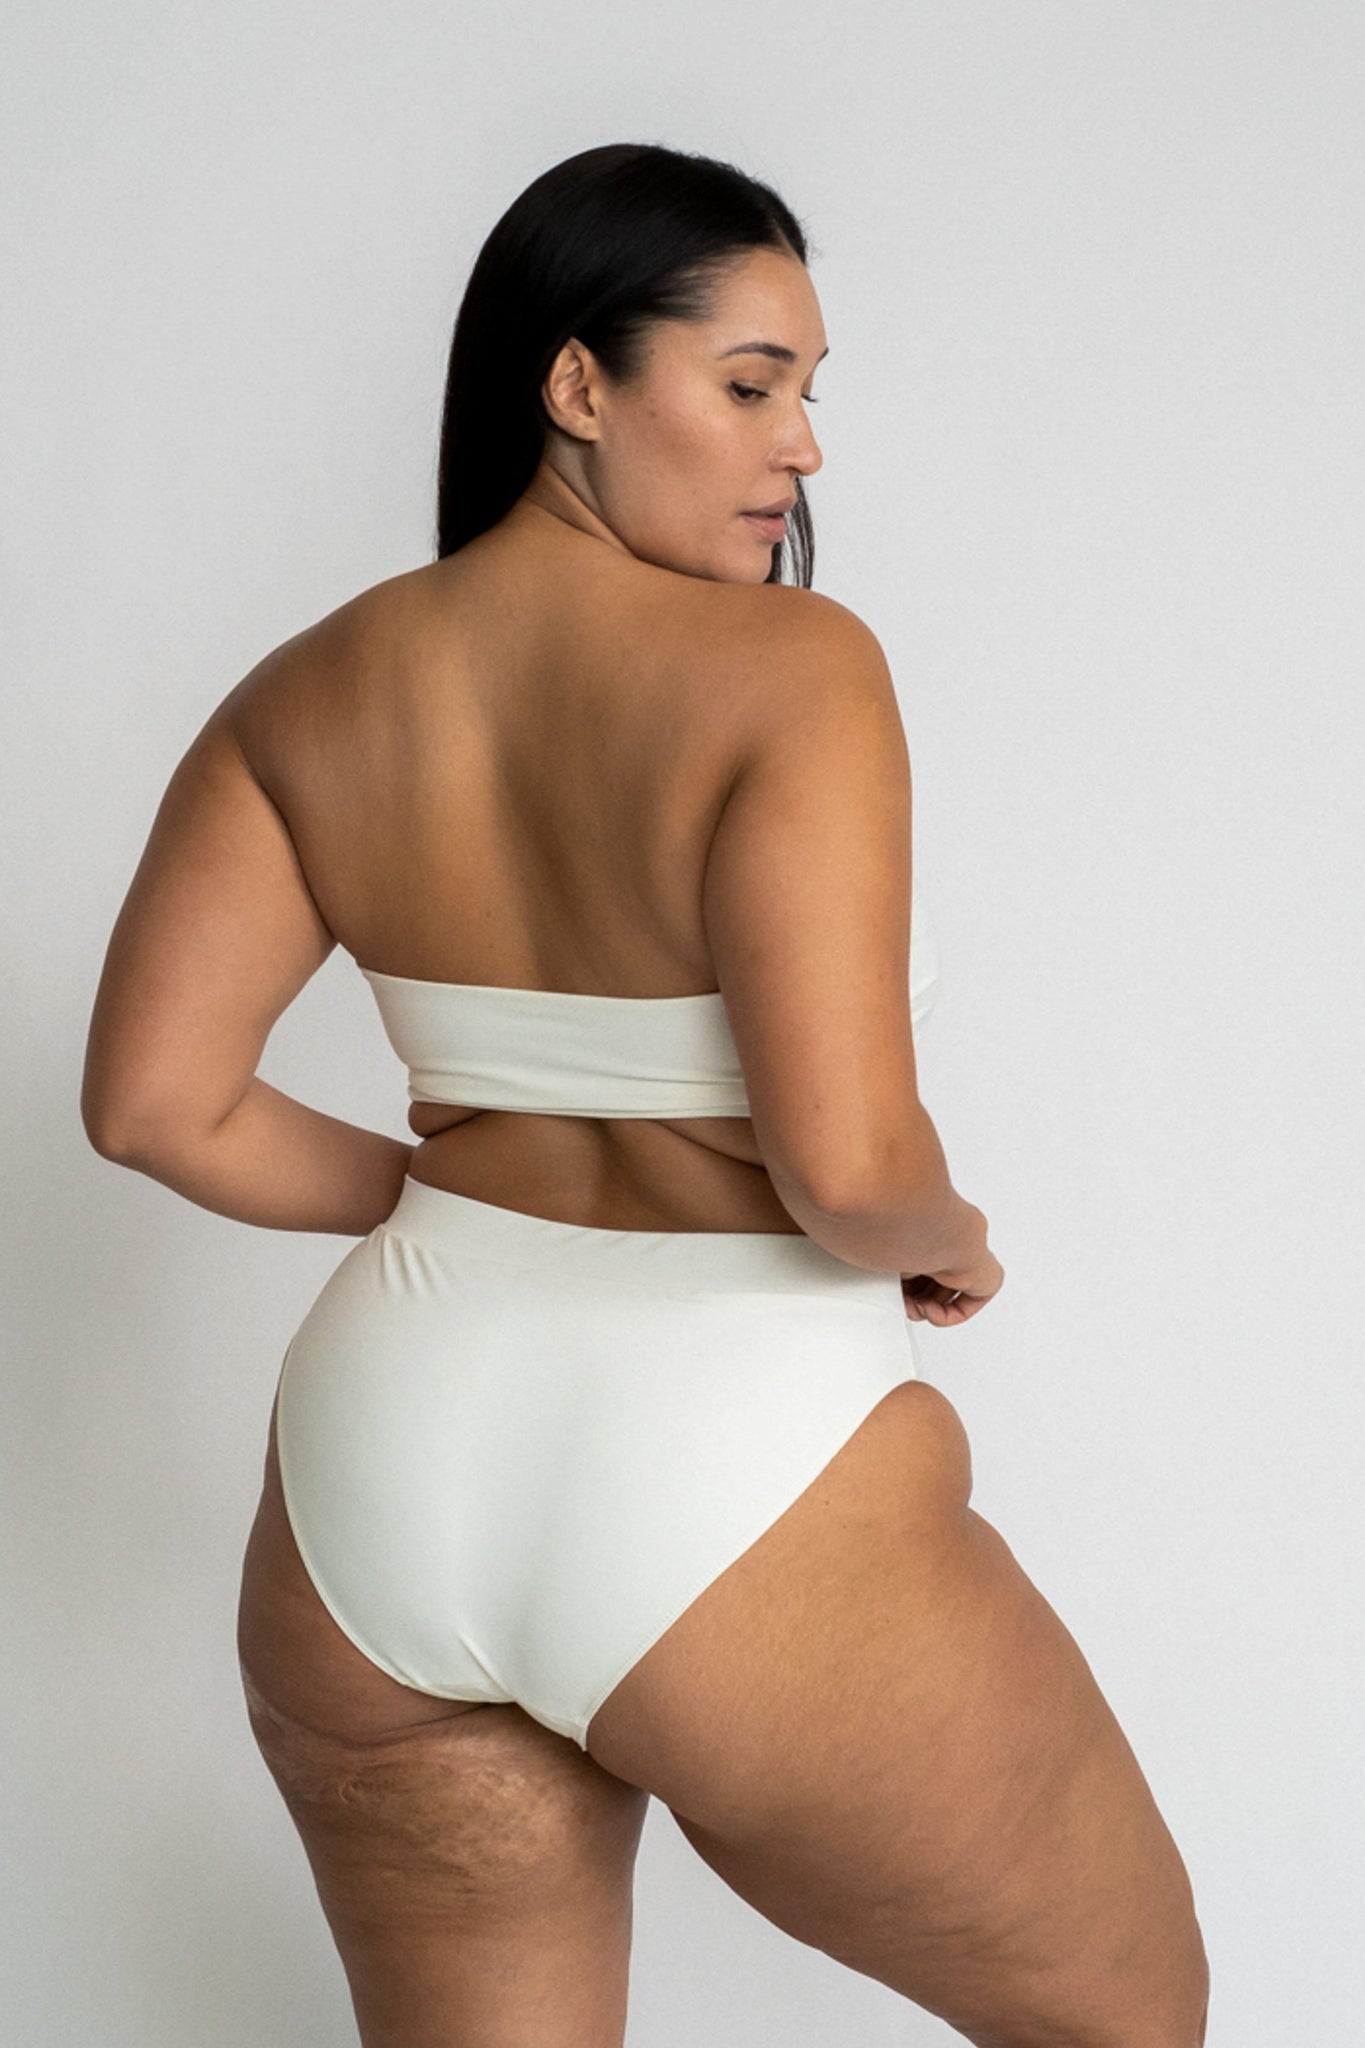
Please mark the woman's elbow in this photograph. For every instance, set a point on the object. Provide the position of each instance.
(125, 1133)
(114, 1138)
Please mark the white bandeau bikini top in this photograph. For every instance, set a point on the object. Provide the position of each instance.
(567, 1054)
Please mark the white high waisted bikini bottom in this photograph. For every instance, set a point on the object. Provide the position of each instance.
(514, 1450)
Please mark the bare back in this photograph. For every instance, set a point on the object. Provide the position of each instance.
(507, 767)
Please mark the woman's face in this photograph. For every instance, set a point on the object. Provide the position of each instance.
(714, 429)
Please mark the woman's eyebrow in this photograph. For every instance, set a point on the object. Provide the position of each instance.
(776, 349)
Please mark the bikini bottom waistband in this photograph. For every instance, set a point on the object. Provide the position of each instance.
(780, 1261)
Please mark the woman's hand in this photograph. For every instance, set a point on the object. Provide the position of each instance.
(949, 1298)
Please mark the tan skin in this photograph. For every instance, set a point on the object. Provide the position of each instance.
(872, 1725)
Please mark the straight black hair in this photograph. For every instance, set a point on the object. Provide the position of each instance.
(595, 249)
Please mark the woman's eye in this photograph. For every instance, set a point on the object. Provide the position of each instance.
(753, 391)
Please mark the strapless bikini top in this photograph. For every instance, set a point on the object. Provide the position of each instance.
(561, 1053)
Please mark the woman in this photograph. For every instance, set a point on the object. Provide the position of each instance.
(601, 1467)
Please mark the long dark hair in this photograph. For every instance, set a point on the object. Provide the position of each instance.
(595, 249)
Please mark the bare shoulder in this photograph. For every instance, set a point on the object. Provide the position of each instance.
(791, 658)
(306, 681)
(794, 620)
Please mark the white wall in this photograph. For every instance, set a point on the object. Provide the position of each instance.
(1092, 427)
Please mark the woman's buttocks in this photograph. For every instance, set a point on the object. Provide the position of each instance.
(614, 1173)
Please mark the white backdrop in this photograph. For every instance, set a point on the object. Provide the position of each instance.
(1092, 429)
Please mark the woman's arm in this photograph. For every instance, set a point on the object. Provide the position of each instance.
(807, 897)
(275, 1162)
(216, 936)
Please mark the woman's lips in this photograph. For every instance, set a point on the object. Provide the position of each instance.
(771, 526)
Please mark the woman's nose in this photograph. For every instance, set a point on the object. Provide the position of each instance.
(804, 453)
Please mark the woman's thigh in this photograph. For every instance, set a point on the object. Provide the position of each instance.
(877, 1730)
(475, 1868)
